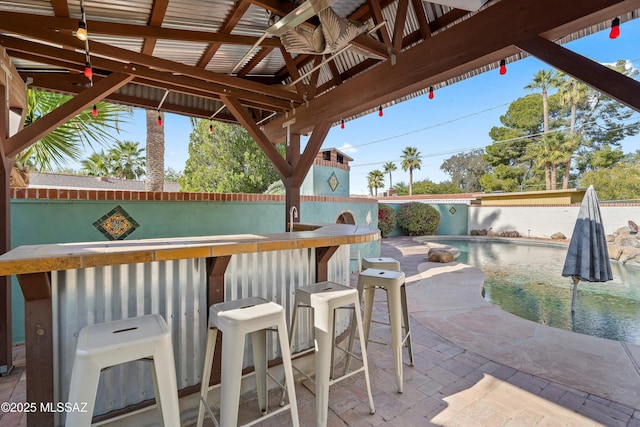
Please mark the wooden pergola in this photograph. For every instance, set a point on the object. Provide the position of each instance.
(225, 60)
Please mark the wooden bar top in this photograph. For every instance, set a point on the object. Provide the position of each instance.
(64, 256)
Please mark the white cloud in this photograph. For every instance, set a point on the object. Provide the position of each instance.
(348, 148)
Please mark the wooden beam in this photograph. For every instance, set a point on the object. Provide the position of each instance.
(158, 10)
(517, 21)
(323, 255)
(69, 25)
(75, 61)
(376, 14)
(236, 14)
(398, 27)
(253, 63)
(27, 136)
(312, 87)
(127, 56)
(318, 136)
(216, 267)
(281, 165)
(418, 8)
(618, 86)
(60, 8)
(293, 70)
(38, 331)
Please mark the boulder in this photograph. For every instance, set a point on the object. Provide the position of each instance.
(440, 255)
(558, 236)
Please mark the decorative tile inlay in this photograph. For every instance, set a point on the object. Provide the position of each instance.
(117, 224)
(452, 210)
(333, 181)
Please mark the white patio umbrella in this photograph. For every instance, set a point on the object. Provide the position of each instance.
(587, 258)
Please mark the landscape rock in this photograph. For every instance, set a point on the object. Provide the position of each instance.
(440, 255)
(558, 236)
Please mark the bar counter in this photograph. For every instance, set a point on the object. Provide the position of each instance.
(53, 278)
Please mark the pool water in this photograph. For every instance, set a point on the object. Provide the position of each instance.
(526, 280)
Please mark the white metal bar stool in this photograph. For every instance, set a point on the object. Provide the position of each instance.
(393, 282)
(111, 343)
(235, 319)
(382, 263)
(324, 298)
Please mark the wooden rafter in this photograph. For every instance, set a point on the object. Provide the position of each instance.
(318, 135)
(236, 15)
(27, 136)
(149, 77)
(618, 86)
(418, 8)
(60, 8)
(376, 15)
(257, 58)
(398, 27)
(158, 11)
(313, 79)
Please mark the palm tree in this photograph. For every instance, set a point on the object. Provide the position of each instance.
(128, 160)
(98, 164)
(543, 80)
(410, 161)
(66, 142)
(155, 151)
(375, 180)
(572, 93)
(388, 168)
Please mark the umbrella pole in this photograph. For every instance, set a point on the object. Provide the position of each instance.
(575, 291)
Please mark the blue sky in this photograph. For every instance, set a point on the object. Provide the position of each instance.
(458, 119)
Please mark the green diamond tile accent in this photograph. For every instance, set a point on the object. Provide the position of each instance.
(117, 224)
(333, 182)
(452, 210)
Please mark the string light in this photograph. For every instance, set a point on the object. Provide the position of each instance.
(615, 28)
(503, 67)
(94, 110)
(431, 92)
(81, 32)
(342, 124)
(380, 112)
(88, 70)
(210, 126)
(159, 119)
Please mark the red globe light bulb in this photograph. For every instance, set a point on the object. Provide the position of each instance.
(503, 67)
(431, 95)
(159, 120)
(380, 112)
(88, 71)
(211, 128)
(615, 29)
(94, 111)
(342, 124)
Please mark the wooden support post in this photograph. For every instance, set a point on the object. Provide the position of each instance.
(6, 354)
(36, 288)
(216, 268)
(323, 255)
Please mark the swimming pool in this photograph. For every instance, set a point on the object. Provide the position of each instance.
(524, 278)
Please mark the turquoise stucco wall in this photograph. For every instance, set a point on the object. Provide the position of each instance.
(451, 224)
(40, 221)
(317, 182)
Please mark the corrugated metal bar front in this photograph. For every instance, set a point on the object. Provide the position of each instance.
(174, 289)
(177, 291)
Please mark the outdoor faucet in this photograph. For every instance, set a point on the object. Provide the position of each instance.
(293, 213)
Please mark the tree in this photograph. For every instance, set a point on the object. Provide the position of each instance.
(544, 80)
(573, 93)
(155, 151)
(388, 168)
(127, 160)
(375, 180)
(226, 161)
(466, 169)
(65, 143)
(411, 160)
(171, 175)
(621, 182)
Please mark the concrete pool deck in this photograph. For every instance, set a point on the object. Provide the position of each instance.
(446, 298)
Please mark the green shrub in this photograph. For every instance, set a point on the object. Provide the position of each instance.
(386, 219)
(418, 219)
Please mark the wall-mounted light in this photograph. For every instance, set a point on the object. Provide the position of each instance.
(615, 29)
